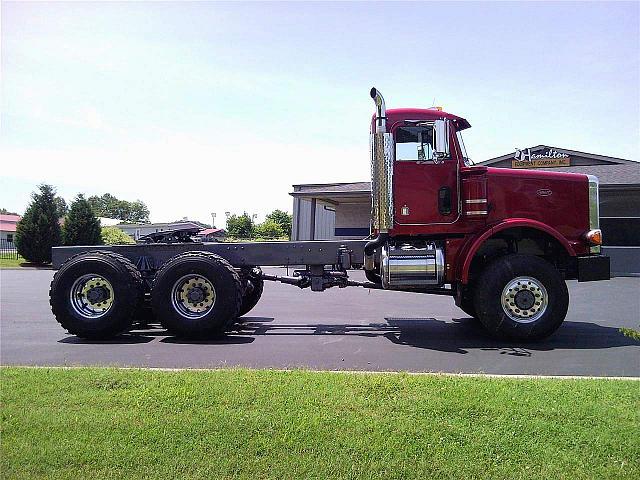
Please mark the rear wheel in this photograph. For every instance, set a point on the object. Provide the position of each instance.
(254, 286)
(95, 294)
(196, 294)
(521, 297)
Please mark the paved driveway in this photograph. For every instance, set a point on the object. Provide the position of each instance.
(346, 329)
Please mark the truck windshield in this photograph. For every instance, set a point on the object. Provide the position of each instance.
(414, 143)
(463, 150)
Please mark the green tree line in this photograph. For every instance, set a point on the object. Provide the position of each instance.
(109, 206)
(276, 225)
(48, 222)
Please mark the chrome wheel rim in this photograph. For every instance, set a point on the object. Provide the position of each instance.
(91, 296)
(524, 299)
(193, 296)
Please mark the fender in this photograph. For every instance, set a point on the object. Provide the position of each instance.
(464, 264)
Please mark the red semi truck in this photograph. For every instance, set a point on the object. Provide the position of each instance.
(501, 242)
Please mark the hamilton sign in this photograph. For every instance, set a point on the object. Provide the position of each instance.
(547, 157)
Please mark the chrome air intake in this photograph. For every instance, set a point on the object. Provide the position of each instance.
(382, 153)
(410, 266)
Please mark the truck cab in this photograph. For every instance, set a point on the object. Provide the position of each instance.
(437, 219)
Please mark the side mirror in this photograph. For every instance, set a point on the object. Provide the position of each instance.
(441, 140)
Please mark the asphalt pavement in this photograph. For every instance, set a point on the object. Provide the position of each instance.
(340, 329)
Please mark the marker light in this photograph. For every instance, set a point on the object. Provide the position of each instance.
(594, 237)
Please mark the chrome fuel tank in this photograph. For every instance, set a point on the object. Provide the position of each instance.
(410, 266)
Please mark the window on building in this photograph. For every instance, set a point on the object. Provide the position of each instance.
(9, 237)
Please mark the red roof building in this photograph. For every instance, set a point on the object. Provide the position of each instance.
(8, 223)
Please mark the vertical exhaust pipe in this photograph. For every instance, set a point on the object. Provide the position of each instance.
(381, 184)
(381, 111)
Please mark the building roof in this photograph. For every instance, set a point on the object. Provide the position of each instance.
(334, 189)
(7, 227)
(573, 153)
(609, 170)
(109, 222)
(211, 231)
(8, 222)
(607, 174)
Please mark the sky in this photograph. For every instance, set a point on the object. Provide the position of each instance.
(218, 107)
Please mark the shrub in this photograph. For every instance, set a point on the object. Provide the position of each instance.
(240, 226)
(269, 229)
(115, 236)
(39, 230)
(283, 219)
(81, 226)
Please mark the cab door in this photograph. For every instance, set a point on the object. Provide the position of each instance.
(425, 180)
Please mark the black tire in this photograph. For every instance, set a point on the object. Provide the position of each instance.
(125, 282)
(174, 314)
(466, 300)
(541, 295)
(252, 292)
(468, 308)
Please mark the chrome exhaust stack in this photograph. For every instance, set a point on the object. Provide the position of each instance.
(381, 168)
(381, 111)
(382, 153)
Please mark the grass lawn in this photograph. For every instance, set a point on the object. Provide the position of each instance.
(11, 262)
(107, 423)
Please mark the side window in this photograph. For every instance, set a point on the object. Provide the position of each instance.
(414, 144)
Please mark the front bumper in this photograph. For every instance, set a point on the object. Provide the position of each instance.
(593, 267)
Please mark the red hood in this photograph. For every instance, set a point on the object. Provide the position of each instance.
(536, 174)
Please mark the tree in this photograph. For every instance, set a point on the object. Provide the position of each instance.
(4, 211)
(240, 226)
(281, 218)
(115, 236)
(109, 206)
(138, 212)
(81, 226)
(38, 230)
(269, 229)
(61, 207)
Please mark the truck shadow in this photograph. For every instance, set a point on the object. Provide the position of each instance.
(459, 336)
(124, 339)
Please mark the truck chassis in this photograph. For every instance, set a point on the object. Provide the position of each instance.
(503, 243)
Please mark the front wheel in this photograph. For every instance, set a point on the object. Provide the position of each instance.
(521, 297)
